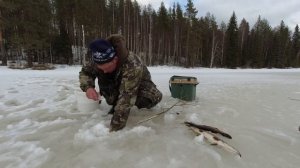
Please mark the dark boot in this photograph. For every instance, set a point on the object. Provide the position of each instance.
(143, 102)
(112, 110)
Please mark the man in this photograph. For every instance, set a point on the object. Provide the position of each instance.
(123, 79)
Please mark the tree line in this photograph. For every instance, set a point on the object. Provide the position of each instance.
(53, 31)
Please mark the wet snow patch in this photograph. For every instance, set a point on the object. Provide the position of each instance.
(92, 134)
(12, 102)
(22, 154)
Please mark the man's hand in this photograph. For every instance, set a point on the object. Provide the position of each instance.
(91, 93)
(119, 119)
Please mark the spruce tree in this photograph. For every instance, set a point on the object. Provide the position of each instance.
(261, 35)
(243, 42)
(296, 47)
(231, 43)
(281, 46)
(27, 28)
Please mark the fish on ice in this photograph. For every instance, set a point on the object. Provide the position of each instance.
(211, 138)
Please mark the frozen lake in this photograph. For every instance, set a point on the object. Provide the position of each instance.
(41, 124)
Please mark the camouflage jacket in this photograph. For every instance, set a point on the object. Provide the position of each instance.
(125, 81)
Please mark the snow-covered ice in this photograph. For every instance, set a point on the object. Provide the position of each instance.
(44, 123)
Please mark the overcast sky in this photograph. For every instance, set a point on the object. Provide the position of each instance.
(272, 10)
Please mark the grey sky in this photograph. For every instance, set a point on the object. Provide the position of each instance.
(272, 10)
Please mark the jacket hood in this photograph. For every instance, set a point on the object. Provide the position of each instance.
(118, 42)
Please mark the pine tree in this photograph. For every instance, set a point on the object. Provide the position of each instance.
(163, 27)
(137, 37)
(147, 35)
(2, 48)
(190, 49)
(180, 21)
(207, 34)
(66, 23)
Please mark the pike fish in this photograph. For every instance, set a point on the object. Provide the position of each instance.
(212, 139)
(208, 128)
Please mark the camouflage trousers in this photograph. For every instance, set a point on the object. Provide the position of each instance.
(147, 97)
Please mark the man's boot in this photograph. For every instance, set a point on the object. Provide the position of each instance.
(112, 110)
(143, 102)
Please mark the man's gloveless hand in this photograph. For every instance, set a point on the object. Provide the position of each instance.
(91, 93)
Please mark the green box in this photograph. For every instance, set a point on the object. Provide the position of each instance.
(183, 87)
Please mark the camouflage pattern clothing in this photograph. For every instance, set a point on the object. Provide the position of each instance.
(130, 84)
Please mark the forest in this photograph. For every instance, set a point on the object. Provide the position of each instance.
(59, 31)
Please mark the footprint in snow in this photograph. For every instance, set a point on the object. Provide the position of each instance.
(13, 91)
(12, 102)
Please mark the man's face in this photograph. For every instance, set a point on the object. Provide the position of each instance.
(108, 67)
